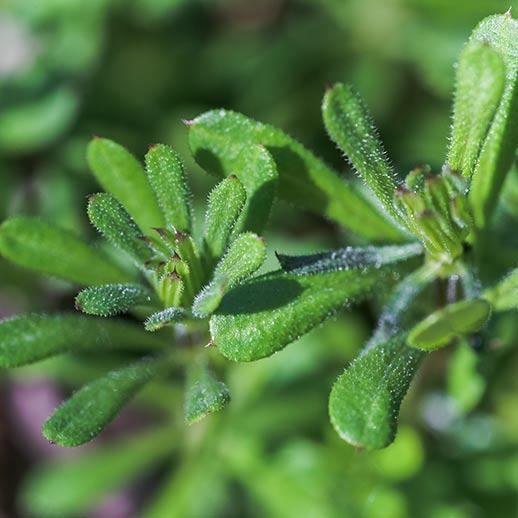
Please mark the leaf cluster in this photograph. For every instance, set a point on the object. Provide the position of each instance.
(193, 288)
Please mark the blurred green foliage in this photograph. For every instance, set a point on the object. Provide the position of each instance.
(130, 70)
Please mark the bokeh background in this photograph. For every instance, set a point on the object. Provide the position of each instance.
(131, 70)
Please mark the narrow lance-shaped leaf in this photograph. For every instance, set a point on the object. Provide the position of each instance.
(111, 299)
(163, 318)
(504, 295)
(244, 257)
(439, 328)
(46, 248)
(365, 399)
(266, 313)
(165, 172)
(474, 108)
(30, 338)
(110, 218)
(225, 204)
(219, 138)
(73, 486)
(498, 152)
(85, 415)
(204, 394)
(372, 422)
(120, 174)
(348, 257)
(350, 126)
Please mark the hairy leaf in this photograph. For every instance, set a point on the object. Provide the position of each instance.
(365, 399)
(218, 138)
(498, 152)
(110, 218)
(30, 338)
(266, 313)
(85, 415)
(208, 300)
(504, 295)
(120, 174)
(73, 486)
(244, 257)
(166, 175)
(111, 299)
(350, 126)
(163, 318)
(439, 328)
(204, 394)
(474, 109)
(225, 204)
(46, 248)
(347, 258)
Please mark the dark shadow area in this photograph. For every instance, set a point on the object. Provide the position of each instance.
(260, 203)
(295, 183)
(209, 161)
(261, 294)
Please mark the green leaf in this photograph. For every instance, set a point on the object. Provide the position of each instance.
(46, 248)
(244, 257)
(439, 328)
(110, 218)
(504, 296)
(163, 318)
(30, 338)
(225, 204)
(350, 126)
(85, 415)
(166, 175)
(35, 124)
(111, 299)
(347, 258)
(219, 138)
(119, 173)
(266, 313)
(474, 108)
(498, 152)
(73, 486)
(365, 399)
(204, 394)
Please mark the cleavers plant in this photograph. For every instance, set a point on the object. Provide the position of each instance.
(432, 228)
